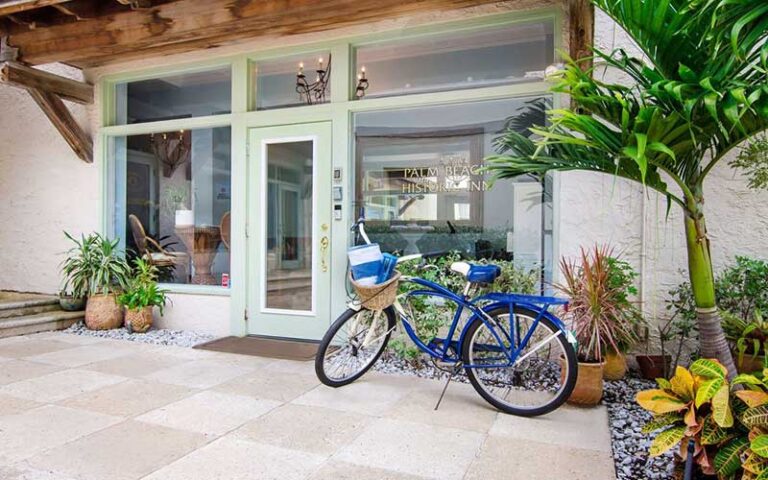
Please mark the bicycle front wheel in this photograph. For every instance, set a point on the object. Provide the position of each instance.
(352, 345)
(544, 374)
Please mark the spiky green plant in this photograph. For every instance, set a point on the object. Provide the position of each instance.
(700, 90)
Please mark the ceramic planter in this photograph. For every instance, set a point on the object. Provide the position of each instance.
(615, 366)
(139, 320)
(589, 385)
(71, 304)
(652, 366)
(102, 312)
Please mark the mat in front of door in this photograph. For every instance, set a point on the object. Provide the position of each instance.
(263, 347)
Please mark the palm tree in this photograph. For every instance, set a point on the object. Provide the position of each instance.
(700, 91)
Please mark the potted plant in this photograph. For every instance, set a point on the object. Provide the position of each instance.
(748, 339)
(76, 273)
(99, 261)
(599, 318)
(671, 333)
(176, 198)
(141, 296)
(621, 282)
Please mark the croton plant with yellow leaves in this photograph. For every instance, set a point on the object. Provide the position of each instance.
(729, 426)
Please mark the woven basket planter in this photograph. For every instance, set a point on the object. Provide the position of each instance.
(102, 312)
(139, 320)
(615, 366)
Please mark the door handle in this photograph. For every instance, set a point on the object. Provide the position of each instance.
(323, 253)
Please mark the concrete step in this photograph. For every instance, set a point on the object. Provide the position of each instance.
(29, 305)
(38, 322)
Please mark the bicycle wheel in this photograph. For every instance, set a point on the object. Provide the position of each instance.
(352, 345)
(541, 379)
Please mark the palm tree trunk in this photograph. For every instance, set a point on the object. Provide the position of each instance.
(711, 337)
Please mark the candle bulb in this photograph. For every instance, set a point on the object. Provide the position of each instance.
(301, 68)
(320, 61)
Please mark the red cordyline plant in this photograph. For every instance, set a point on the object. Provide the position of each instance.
(600, 315)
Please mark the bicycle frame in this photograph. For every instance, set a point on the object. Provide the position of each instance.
(447, 349)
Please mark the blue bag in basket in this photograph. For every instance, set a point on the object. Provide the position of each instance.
(365, 263)
(388, 264)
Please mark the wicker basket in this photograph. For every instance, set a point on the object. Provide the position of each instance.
(379, 296)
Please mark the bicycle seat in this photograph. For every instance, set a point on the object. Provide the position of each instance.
(477, 273)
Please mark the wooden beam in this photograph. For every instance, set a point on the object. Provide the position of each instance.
(16, 6)
(62, 119)
(581, 14)
(18, 75)
(185, 25)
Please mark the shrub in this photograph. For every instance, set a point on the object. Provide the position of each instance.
(600, 311)
(95, 266)
(729, 426)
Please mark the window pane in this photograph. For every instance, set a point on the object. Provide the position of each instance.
(177, 96)
(500, 56)
(418, 175)
(289, 226)
(172, 198)
(279, 83)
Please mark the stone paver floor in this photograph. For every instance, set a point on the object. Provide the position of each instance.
(82, 408)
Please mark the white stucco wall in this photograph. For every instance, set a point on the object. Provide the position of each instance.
(45, 189)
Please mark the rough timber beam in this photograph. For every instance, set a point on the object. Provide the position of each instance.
(62, 119)
(581, 15)
(17, 6)
(186, 25)
(19, 75)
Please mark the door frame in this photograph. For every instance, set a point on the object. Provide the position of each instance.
(279, 322)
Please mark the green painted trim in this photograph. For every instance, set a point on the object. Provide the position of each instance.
(193, 123)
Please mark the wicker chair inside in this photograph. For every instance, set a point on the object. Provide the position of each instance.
(149, 249)
(225, 228)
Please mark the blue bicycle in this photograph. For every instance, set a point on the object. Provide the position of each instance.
(517, 354)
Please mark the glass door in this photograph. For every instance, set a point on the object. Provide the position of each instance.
(289, 230)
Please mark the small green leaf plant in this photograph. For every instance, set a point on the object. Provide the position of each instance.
(142, 290)
(94, 266)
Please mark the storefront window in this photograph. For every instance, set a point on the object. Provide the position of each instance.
(419, 177)
(175, 96)
(460, 60)
(172, 202)
(293, 81)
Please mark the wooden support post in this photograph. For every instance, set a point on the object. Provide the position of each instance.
(19, 75)
(62, 119)
(581, 14)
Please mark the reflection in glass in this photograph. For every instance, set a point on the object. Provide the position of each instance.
(172, 198)
(289, 226)
(419, 176)
(459, 60)
(175, 96)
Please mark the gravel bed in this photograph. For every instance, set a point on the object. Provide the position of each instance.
(158, 336)
(630, 446)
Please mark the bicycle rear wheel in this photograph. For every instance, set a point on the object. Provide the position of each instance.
(541, 379)
(352, 345)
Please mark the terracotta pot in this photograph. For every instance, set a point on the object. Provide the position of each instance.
(102, 312)
(615, 366)
(749, 363)
(139, 320)
(589, 385)
(652, 366)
